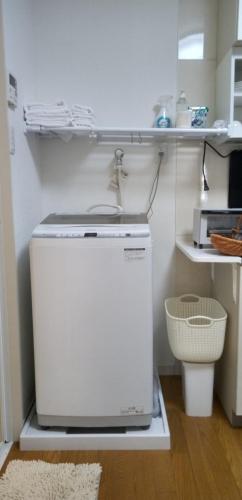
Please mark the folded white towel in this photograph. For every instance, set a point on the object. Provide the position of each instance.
(83, 126)
(42, 114)
(46, 118)
(80, 123)
(48, 115)
(82, 119)
(58, 115)
(82, 116)
(60, 112)
(82, 109)
(38, 106)
(54, 122)
(87, 116)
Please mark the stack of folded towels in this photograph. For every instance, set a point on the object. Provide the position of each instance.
(48, 115)
(82, 116)
(58, 115)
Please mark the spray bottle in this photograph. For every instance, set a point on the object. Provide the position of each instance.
(163, 110)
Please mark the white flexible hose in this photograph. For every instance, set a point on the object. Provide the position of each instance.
(118, 209)
(119, 191)
(116, 184)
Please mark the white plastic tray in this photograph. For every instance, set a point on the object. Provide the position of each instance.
(157, 437)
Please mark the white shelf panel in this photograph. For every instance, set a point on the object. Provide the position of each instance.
(131, 134)
(208, 254)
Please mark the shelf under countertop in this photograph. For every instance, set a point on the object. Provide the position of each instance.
(205, 255)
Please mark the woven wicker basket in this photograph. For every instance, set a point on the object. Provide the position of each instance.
(229, 245)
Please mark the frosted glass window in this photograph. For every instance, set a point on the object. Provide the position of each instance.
(191, 46)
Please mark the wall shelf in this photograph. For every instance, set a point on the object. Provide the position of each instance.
(132, 135)
(206, 254)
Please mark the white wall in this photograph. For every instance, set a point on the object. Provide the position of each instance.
(26, 193)
(197, 77)
(118, 58)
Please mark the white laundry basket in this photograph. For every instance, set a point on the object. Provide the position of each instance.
(196, 328)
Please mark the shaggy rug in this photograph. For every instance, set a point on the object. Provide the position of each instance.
(38, 480)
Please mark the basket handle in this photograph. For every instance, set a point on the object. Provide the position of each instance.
(207, 321)
(189, 297)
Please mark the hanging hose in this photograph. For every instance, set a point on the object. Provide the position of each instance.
(115, 184)
(118, 209)
(120, 175)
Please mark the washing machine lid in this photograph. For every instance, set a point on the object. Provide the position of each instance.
(93, 225)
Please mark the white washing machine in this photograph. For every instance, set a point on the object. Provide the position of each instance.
(92, 314)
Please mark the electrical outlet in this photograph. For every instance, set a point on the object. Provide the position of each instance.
(163, 148)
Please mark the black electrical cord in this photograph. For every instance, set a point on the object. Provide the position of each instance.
(205, 182)
(216, 151)
(205, 144)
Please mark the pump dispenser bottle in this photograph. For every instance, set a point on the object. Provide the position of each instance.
(183, 113)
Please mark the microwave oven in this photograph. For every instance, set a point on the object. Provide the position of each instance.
(207, 221)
